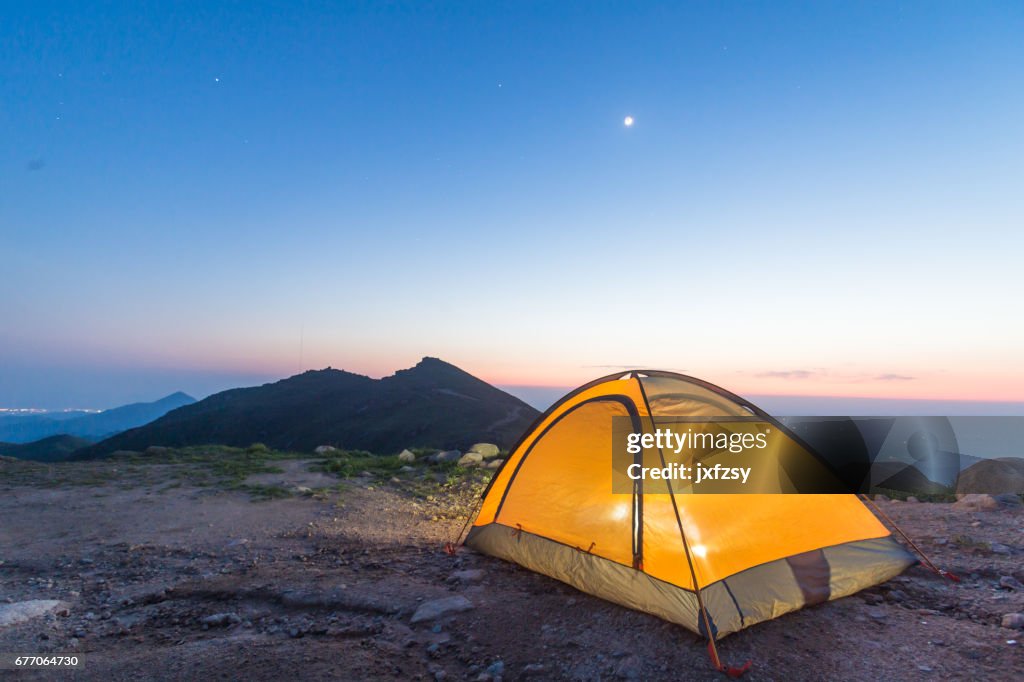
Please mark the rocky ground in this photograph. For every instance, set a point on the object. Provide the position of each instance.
(276, 567)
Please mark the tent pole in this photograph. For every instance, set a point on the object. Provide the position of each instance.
(924, 557)
(712, 648)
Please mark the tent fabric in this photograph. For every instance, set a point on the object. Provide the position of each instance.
(747, 557)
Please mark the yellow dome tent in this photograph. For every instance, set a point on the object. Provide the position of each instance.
(713, 563)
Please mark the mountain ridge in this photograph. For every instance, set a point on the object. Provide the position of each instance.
(17, 429)
(50, 449)
(432, 404)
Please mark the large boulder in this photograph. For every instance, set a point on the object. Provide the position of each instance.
(406, 456)
(487, 450)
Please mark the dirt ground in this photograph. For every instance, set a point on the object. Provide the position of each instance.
(188, 582)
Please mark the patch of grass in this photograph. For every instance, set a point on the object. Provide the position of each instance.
(945, 496)
(204, 454)
(261, 493)
(967, 542)
(238, 469)
(449, 491)
(349, 463)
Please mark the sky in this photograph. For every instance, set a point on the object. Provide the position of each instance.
(814, 199)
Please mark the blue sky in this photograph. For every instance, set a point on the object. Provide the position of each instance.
(815, 199)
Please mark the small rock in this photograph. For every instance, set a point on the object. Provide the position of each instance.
(494, 464)
(20, 611)
(1008, 499)
(628, 669)
(496, 669)
(470, 459)
(469, 575)
(877, 614)
(977, 502)
(1008, 582)
(873, 598)
(911, 498)
(325, 449)
(448, 456)
(999, 548)
(220, 620)
(407, 469)
(896, 596)
(533, 669)
(406, 456)
(436, 608)
(486, 450)
(127, 622)
(1014, 621)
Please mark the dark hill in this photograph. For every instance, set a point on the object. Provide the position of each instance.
(93, 426)
(51, 449)
(993, 476)
(433, 404)
(906, 478)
